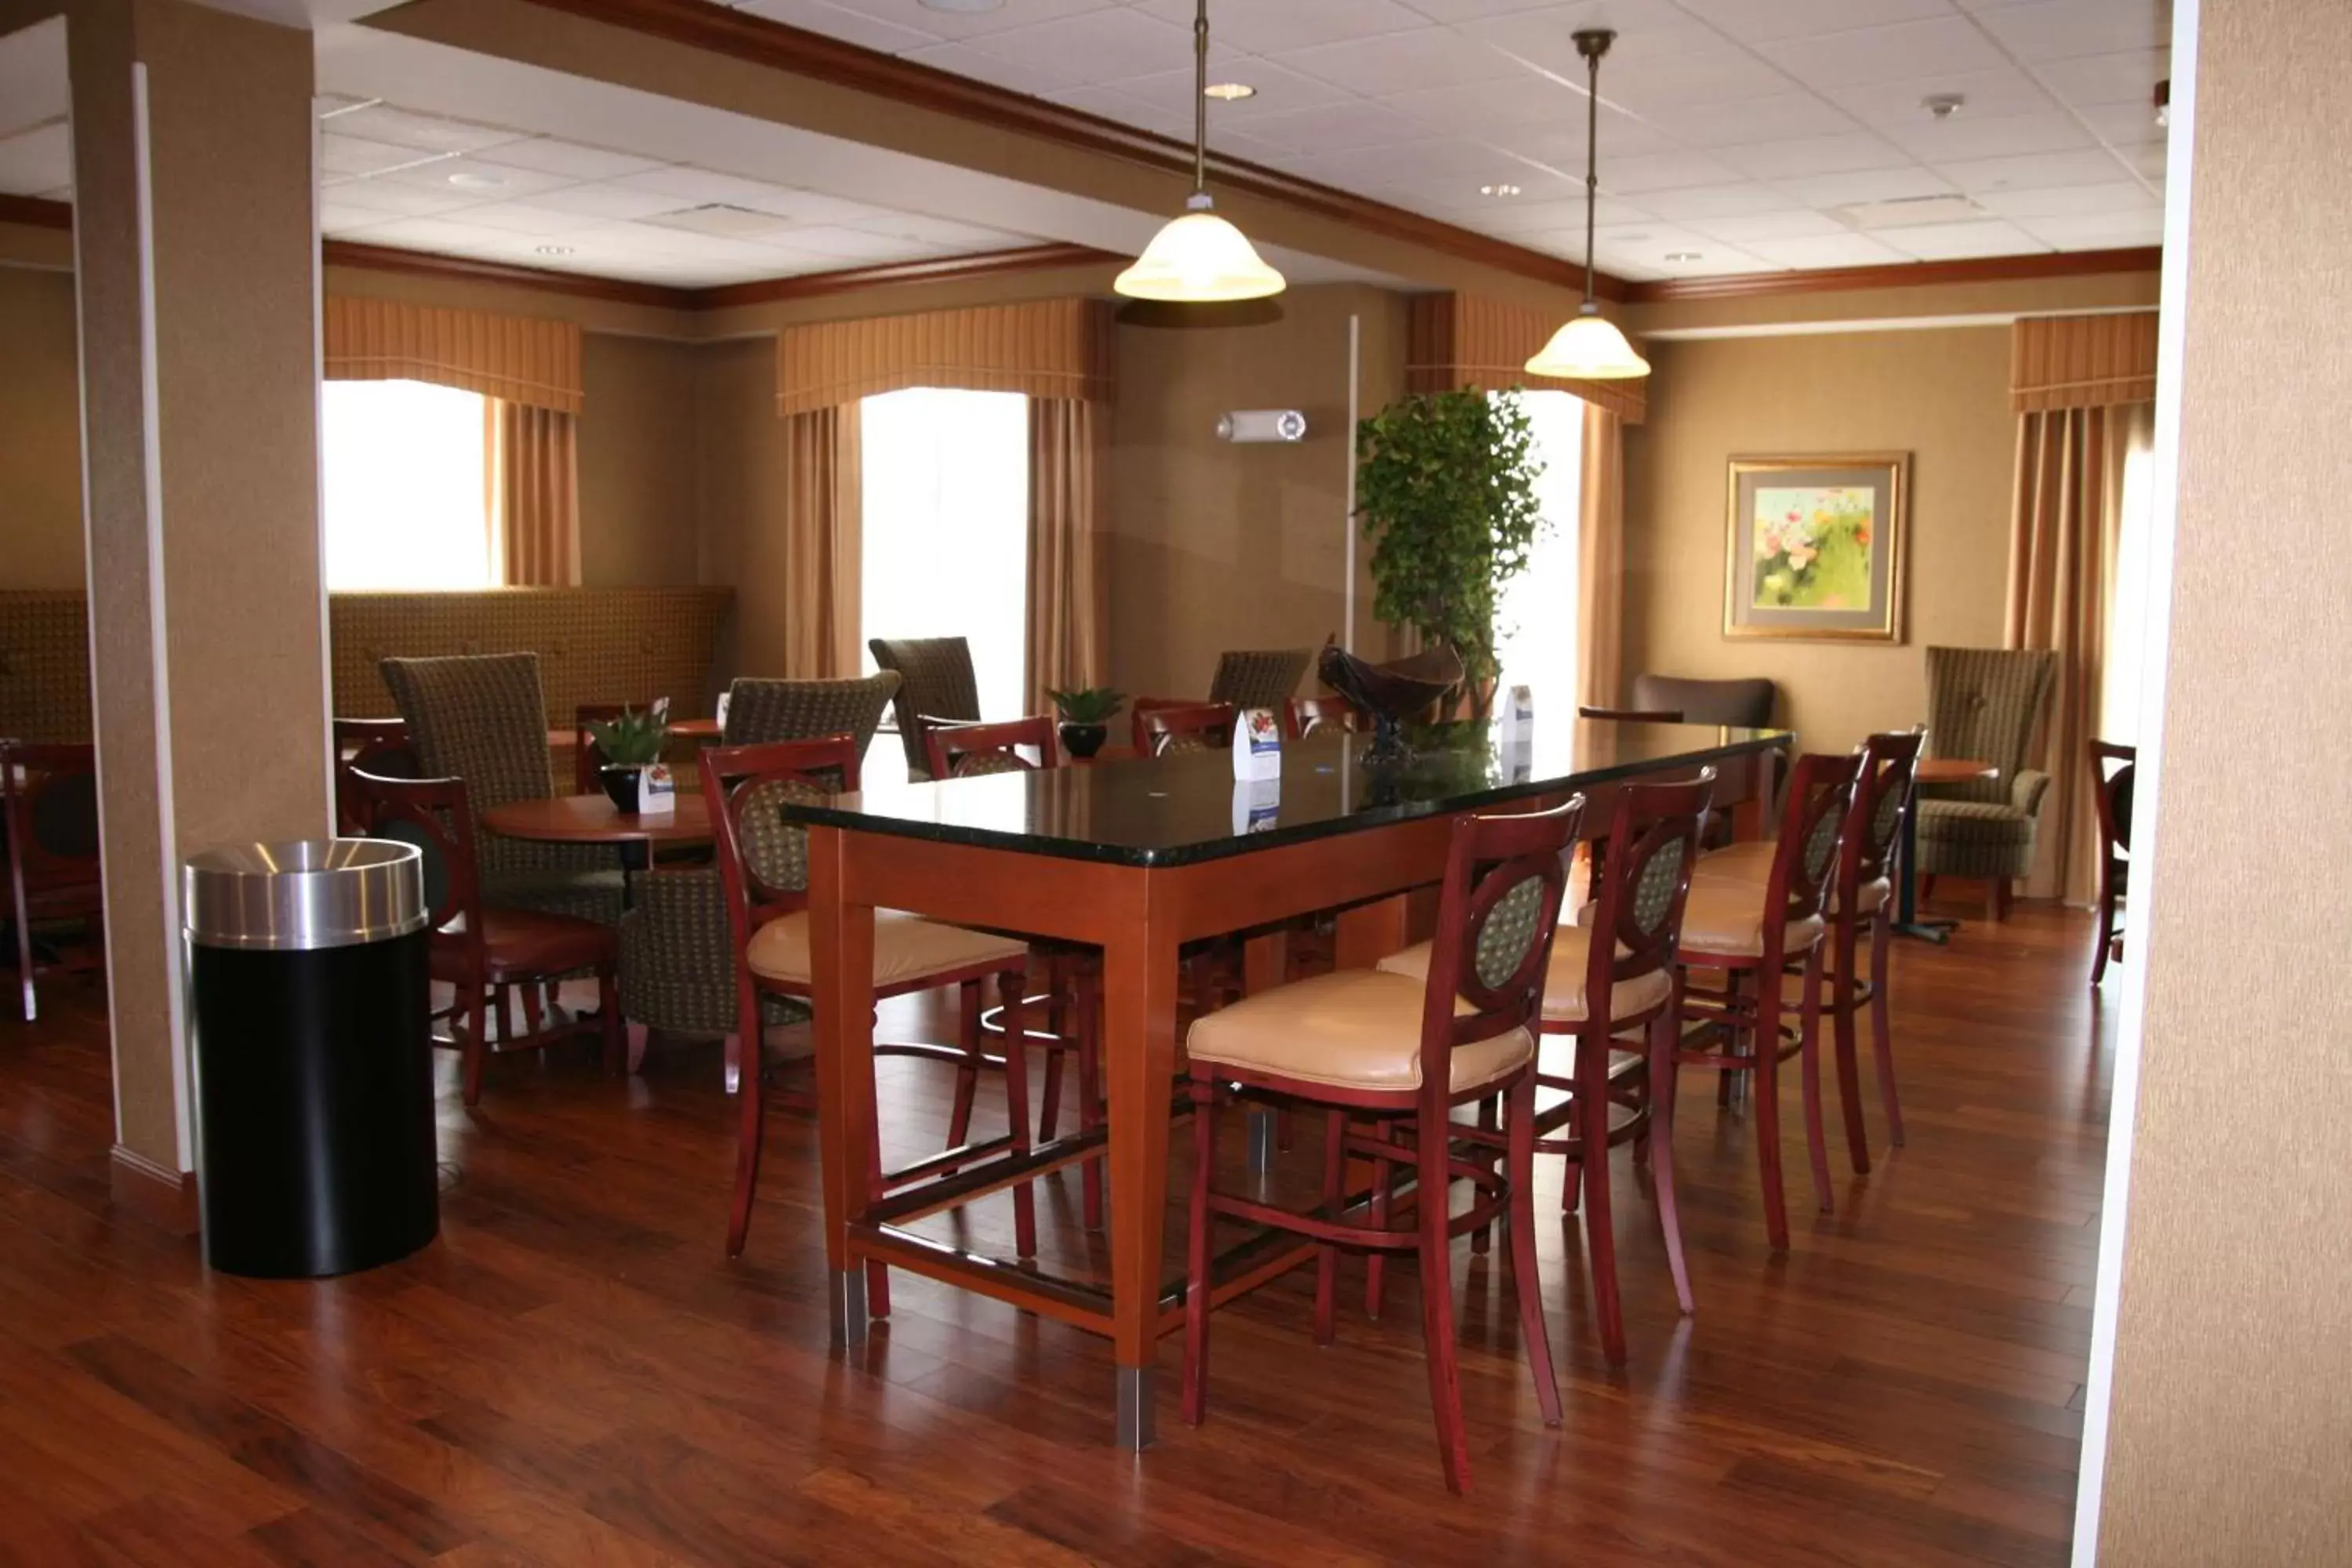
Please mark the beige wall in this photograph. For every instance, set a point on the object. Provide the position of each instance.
(1942, 395)
(2233, 1335)
(1216, 546)
(636, 462)
(40, 432)
(739, 496)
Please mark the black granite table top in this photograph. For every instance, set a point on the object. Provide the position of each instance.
(1182, 809)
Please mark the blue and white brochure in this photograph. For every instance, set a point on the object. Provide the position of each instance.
(1257, 804)
(1258, 745)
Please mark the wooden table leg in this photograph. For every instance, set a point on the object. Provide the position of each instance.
(1140, 983)
(841, 965)
(1265, 963)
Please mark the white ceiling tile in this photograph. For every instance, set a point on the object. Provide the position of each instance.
(1838, 154)
(1780, 118)
(2150, 160)
(1698, 201)
(522, 217)
(1666, 172)
(1512, 218)
(2123, 124)
(340, 155)
(551, 155)
(1878, 54)
(857, 244)
(1898, 103)
(609, 202)
(1563, 146)
(1096, 45)
(1492, 108)
(1270, 27)
(813, 207)
(965, 60)
(1790, 224)
(2037, 171)
(1966, 136)
(1474, 10)
(1277, 89)
(841, 22)
(1952, 241)
(2064, 29)
(2128, 78)
(2065, 201)
(1336, 127)
(435, 133)
(389, 200)
(473, 178)
(1647, 246)
(2098, 231)
(1402, 62)
(1827, 191)
(691, 185)
(940, 231)
(1126, 108)
(1667, 61)
(1826, 250)
(37, 160)
(1756, 21)
(341, 220)
(439, 234)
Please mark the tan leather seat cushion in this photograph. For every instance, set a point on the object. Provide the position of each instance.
(1752, 862)
(1357, 1028)
(1725, 918)
(906, 949)
(1564, 1000)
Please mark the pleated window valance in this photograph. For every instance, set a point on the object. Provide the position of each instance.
(521, 358)
(1046, 348)
(1463, 341)
(2082, 362)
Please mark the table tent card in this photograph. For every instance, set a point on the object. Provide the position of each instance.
(1257, 804)
(1515, 733)
(1258, 745)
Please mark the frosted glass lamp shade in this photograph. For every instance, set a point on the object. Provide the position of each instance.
(1199, 259)
(1589, 348)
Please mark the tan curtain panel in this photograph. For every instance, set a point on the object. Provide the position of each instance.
(1068, 467)
(823, 516)
(1600, 562)
(521, 358)
(2064, 539)
(2082, 362)
(530, 472)
(1464, 341)
(1047, 349)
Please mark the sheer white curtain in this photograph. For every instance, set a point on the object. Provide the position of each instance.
(1536, 622)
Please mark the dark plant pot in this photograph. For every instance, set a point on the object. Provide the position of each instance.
(620, 786)
(1084, 740)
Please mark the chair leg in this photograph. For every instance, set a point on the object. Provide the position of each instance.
(1665, 1037)
(1490, 1120)
(1591, 1124)
(608, 1006)
(1571, 1185)
(1926, 886)
(1731, 989)
(1764, 1079)
(1996, 900)
(1335, 1193)
(25, 963)
(730, 1053)
(1845, 978)
(1197, 1250)
(476, 1048)
(751, 1130)
(966, 1082)
(1526, 1283)
(1376, 1261)
(1430, 1203)
(2107, 931)
(1880, 1042)
(1808, 1058)
(1013, 986)
(639, 1037)
(877, 1273)
(1057, 1022)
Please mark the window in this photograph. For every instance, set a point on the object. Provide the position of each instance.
(2120, 677)
(402, 472)
(1536, 623)
(946, 552)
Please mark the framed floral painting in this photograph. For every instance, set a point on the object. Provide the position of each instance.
(1815, 547)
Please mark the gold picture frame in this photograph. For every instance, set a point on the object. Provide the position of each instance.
(1814, 547)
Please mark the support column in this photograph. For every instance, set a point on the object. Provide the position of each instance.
(196, 262)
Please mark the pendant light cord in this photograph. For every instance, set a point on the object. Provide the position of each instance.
(1201, 100)
(1592, 160)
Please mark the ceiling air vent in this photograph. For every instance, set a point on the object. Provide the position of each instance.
(720, 219)
(1910, 212)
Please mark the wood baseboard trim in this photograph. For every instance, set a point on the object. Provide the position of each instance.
(145, 1190)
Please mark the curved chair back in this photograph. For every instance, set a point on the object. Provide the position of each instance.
(434, 816)
(1496, 911)
(763, 859)
(1161, 726)
(1746, 704)
(1259, 678)
(938, 683)
(1881, 798)
(1633, 715)
(1813, 832)
(761, 711)
(1651, 848)
(1984, 702)
(1306, 715)
(379, 746)
(957, 751)
(2115, 774)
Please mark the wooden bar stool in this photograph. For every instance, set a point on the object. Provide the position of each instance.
(1372, 1045)
(1750, 932)
(1861, 895)
(764, 865)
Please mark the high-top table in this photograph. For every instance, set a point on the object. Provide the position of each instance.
(1138, 858)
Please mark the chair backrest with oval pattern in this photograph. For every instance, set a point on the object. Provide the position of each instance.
(1813, 831)
(959, 751)
(1497, 910)
(1647, 855)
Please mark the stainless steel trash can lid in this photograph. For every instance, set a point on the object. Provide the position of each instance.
(312, 893)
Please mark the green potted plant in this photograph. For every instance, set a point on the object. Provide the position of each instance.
(1087, 714)
(630, 744)
(1445, 484)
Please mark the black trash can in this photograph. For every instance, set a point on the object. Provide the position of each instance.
(312, 1040)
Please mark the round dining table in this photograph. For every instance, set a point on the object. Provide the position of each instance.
(1931, 770)
(591, 819)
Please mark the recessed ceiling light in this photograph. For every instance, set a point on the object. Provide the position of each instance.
(963, 7)
(1944, 105)
(1229, 91)
(465, 180)
(552, 250)
(1498, 190)
(1683, 255)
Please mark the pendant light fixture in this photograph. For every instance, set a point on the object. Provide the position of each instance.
(1199, 259)
(1589, 348)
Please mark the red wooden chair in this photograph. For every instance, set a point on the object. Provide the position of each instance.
(48, 817)
(1750, 933)
(379, 746)
(1372, 1045)
(483, 950)
(1305, 715)
(2115, 774)
(1862, 895)
(958, 748)
(1162, 725)
(763, 866)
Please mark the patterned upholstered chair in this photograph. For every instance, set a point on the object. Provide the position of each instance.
(1260, 677)
(1983, 703)
(677, 961)
(482, 718)
(936, 683)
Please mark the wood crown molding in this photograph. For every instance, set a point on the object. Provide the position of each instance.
(36, 212)
(1896, 275)
(743, 35)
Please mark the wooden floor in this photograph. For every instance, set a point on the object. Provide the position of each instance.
(574, 1373)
